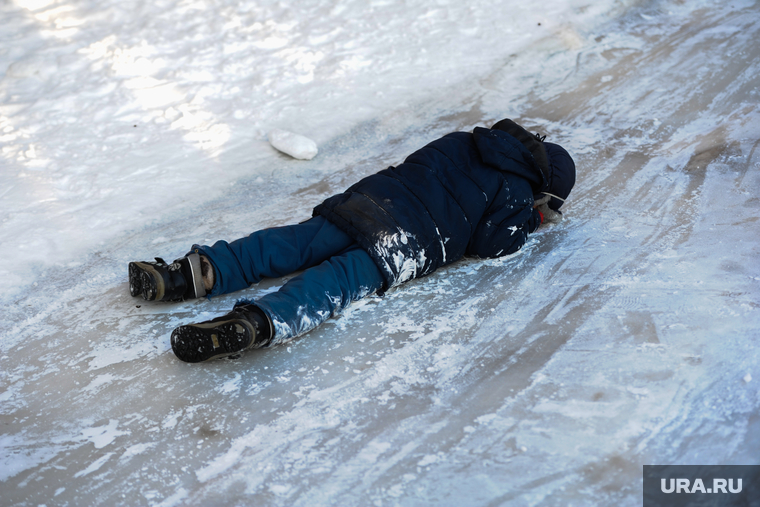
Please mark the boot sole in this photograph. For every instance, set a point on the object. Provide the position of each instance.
(145, 281)
(196, 343)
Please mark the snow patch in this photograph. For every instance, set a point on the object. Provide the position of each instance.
(95, 466)
(295, 145)
(101, 436)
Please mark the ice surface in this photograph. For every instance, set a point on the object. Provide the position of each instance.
(625, 335)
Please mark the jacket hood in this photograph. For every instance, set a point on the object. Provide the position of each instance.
(505, 153)
(553, 162)
(562, 173)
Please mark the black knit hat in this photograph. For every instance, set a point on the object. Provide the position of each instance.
(562, 174)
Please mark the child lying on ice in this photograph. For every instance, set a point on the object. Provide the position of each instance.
(473, 194)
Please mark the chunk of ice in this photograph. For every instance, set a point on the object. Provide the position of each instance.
(295, 145)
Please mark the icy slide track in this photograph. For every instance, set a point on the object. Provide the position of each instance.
(625, 336)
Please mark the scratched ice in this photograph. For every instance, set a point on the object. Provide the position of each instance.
(626, 335)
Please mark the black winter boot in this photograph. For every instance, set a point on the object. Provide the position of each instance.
(245, 327)
(159, 281)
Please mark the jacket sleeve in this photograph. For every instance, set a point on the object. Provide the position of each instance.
(504, 229)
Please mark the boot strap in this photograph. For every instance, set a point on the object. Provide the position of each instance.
(197, 277)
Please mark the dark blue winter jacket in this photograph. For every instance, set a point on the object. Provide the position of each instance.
(463, 194)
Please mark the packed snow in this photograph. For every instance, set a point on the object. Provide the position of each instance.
(295, 145)
(625, 335)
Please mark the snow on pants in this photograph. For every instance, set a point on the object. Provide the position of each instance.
(337, 272)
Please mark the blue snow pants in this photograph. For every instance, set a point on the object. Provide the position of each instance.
(337, 272)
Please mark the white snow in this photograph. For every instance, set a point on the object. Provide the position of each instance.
(102, 436)
(95, 466)
(625, 335)
(295, 145)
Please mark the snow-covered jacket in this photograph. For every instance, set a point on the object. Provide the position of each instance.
(463, 194)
